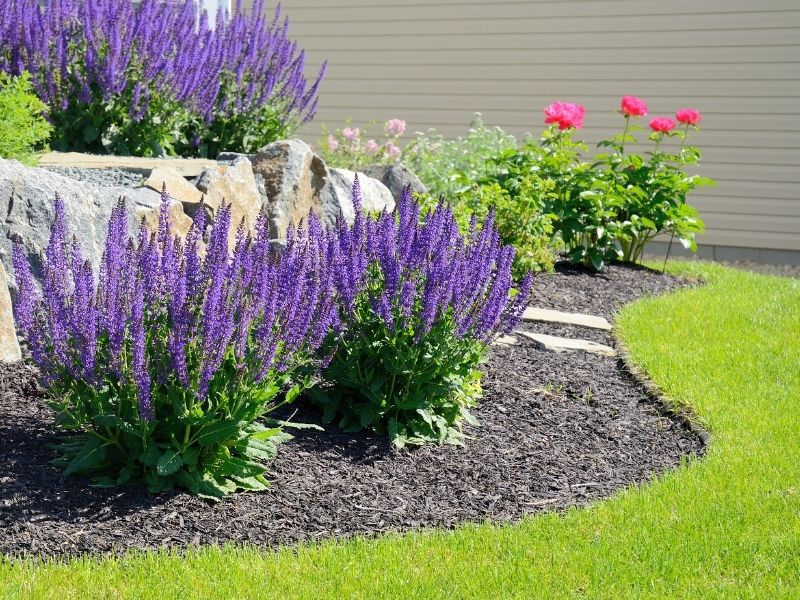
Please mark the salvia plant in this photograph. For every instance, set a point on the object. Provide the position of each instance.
(158, 77)
(420, 303)
(166, 361)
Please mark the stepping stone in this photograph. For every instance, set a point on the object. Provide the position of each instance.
(506, 340)
(553, 343)
(554, 316)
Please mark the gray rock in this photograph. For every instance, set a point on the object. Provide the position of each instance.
(376, 197)
(9, 345)
(292, 181)
(295, 182)
(227, 158)
(396, 177)
(27, 199)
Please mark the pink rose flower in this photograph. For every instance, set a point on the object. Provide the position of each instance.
(392, 150)
(662, 124)
(395, 127)
(372, 146)
(631, 106)
(565, 114)
(688, 116)
(351, 134)
(333, 143)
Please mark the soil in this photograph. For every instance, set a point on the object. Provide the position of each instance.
(557, 430)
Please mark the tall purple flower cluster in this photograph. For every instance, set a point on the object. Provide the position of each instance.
(427, 270)
(164, 313)
(83, 51)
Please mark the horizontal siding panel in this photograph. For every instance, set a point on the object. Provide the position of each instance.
(350, 9)
(574, 88)
(560, 72)
(418, 26)
(319, 43)
(391, 102)
(751, 238)
(747, 206)
(766, 224)
(622, 55)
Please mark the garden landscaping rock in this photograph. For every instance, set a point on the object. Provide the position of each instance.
(145, 203)
(376, 197)
(293, 179)
(177, 186)
(553, 343)
(547, 315)
(557, 430)
(235, 184)
(27, 199)
(101, 177)
(396, 178)
(9, 345)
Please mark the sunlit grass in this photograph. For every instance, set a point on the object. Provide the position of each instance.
(724, 526)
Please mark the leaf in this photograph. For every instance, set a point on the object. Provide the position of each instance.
(149, 457)
(293, 393)
(256, 483)
(90, 455)
(169, 462)
(217, 433)
(266, 433)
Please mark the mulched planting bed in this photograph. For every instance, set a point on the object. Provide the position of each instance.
(557, 430)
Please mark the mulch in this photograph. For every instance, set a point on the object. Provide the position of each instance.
(557, 430)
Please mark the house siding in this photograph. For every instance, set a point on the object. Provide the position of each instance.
(434, 63)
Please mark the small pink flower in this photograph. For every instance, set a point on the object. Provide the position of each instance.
(333, 143)
(565, 114)
(395, 127)
(631, 106)
(392, 150)
(662, 124)
(372, 146)
(351, 134)
(688, 116)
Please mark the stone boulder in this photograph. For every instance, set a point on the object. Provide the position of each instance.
(177, 185)
(27, 198)
(376, 197)
(235, 183)
(396, 177)
(294, 181)
(9, 345)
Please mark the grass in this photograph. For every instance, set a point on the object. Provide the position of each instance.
(726, 526)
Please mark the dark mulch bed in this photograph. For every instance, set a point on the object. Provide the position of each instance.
(557, 430)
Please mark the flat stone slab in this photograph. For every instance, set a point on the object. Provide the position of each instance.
(553, 343)
(506, 340)
(555, 316)
(188, 167)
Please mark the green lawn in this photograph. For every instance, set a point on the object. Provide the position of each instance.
(724, 526)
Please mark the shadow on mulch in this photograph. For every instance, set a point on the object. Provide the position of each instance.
(557, 430)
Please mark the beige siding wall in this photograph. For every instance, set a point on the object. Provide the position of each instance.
(435, 62)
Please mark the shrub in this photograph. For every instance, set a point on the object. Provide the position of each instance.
(154, 77)
(649, 193)
(351, 147)
(23, 128)
(612, 207)
(450, 168)
(421, 303)
(166, 367)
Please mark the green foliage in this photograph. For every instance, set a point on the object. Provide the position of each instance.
(23, 128)
(416, 391)
(451, 168)
(211, 447)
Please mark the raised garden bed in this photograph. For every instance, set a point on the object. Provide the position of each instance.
(557, 430)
